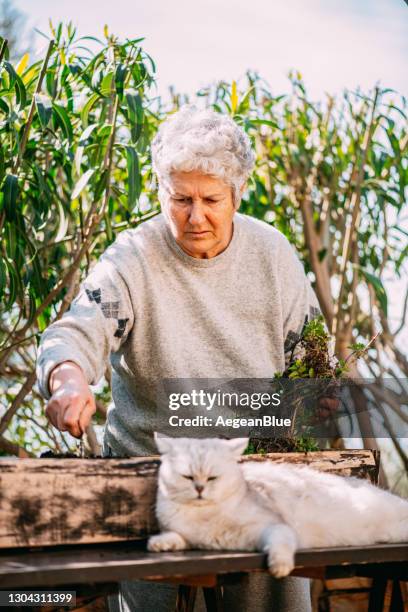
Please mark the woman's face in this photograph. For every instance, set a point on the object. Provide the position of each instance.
(199, 209)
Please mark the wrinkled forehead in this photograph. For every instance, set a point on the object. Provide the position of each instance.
(190, 182)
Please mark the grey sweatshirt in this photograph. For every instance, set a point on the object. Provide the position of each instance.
(157, 313)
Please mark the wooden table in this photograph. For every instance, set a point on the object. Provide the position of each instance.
(103, 566)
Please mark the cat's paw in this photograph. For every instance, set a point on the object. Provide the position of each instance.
(281, 562)
(169, 540)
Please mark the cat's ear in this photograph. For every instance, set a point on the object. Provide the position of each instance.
(164, 443)
(237, 445)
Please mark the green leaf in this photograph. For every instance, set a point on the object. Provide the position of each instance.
(87, 108)
(135, 107)
(399, 110)
(90, 38)
(105, 131)
(101, 185)
(244, 104)
(44, 108)
(16, 81)
(378, 287)
(82, 143)
(82, 183)
(4, 107)
(120, 75)
(51, 82)
(10, 193)
(106, 85)
(62, 120)
(3, 277)
(264, 122)
(133, 177)
(2, 163)
(134, 41)
(14, 283)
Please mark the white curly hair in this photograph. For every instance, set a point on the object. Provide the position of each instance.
(204, 140)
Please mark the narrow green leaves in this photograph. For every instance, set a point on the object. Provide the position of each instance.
(3, 277)
(378, 287)
(17, 83)
(133, 176)
(120, 75)
(44, 109)
(87, 108)
(62, 120)
(135, 113)
(107, 84)
(9, 193)
(2, 163)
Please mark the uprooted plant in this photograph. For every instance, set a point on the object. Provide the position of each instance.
(311, 359)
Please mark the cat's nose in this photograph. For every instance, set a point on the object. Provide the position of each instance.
(199, 488)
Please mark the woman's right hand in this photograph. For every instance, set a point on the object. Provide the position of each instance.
(72, 404)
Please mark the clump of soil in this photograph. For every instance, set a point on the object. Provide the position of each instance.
(51, 455)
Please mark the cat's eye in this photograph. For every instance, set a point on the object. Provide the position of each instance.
(212, 477)
(188, 477)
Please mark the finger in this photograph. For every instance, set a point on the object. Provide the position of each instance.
(71, 417)
(334, 404)
(86, 415)
(329, 403)
(51, 413)
(54, 412)
(76, 432)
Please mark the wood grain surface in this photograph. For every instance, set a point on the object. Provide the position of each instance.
(127, 561)
(47, 502)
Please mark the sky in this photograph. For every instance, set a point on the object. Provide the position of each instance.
(333, 43)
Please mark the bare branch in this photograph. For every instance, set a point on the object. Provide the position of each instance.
(18, 400)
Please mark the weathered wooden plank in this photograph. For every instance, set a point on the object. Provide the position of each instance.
(113, 563)
(358, 463)
(65, 501)
(71, 501)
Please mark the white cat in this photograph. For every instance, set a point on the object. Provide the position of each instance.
(206, 499)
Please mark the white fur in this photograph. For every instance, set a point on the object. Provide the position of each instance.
(275, 508)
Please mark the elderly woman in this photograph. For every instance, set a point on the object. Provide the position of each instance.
(200, 291)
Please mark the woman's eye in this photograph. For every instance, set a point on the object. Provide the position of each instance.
(212, 477)
(188, 477)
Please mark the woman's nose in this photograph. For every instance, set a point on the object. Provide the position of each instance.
(196, 213)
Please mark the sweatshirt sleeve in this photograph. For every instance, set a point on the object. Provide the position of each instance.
(97, 324)
(299, 301)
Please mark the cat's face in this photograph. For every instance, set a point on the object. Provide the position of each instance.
(199, 471)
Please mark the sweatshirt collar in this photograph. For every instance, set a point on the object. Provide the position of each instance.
(225, 256)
